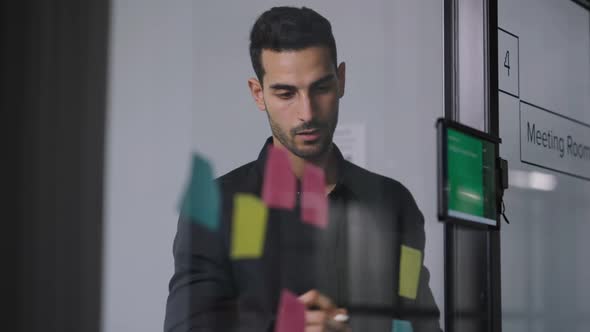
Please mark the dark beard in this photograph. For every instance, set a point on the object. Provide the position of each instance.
(287, 142)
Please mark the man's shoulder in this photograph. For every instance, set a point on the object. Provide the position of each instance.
(242, 178)
(376, 183)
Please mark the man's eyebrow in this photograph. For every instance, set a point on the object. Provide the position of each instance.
(322, 80)
(282, 86)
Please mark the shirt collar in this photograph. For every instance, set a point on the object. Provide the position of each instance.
(344, 177)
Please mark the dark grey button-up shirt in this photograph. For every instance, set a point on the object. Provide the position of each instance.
(355, 261)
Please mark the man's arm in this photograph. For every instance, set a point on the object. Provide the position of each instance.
(202, 295)
(423, 311)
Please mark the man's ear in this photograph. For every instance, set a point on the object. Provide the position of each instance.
(257, 93)
(341, 79)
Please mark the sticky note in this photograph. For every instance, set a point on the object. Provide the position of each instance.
(409, 271)
(279, 186)
(248, 227)
(201, 201)
(291, 313)
(401, 326)
(314, 203)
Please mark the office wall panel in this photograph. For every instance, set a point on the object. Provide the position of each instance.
(543, 249)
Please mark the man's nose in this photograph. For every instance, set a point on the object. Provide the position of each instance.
(306, 109)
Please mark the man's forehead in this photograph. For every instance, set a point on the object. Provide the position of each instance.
(306, 64)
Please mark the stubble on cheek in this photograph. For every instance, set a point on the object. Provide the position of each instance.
(276, 130)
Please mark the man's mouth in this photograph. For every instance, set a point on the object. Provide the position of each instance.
(309, 134)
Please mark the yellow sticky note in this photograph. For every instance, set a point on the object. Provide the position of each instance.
(409, 271)
(248, 227)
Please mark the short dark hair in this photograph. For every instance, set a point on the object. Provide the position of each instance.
(290, 29)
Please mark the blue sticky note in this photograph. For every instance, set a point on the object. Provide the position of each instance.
(401, 326)
(201, 201)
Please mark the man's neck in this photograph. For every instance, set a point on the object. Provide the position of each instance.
(327, 162)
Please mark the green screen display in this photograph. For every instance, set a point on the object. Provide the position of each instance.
(471, 178)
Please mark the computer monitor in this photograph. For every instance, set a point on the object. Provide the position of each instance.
(467, 175)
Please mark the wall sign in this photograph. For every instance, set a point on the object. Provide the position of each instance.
(553, 141)
(508, 61)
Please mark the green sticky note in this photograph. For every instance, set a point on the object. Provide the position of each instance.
(201, 200)
(248, 227)
(401, 326)
(409, 271)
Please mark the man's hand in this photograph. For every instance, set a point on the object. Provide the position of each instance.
(321, 314)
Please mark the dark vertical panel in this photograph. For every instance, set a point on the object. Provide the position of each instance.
(57, 105)
(584, 3)
(495, 273)
(450, 101)
(11, 97)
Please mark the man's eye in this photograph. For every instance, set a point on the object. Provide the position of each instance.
(285, 95)
(323, 88)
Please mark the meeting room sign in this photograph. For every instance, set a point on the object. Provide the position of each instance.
(553, 141)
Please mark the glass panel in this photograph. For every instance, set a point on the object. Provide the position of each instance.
(180, 88)
(546, 44)
(471, 63)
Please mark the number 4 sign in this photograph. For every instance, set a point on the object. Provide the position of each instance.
(508, 80)
(507, 61)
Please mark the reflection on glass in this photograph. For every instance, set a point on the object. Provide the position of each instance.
(471, 56)
(328, 238)
(534, 180)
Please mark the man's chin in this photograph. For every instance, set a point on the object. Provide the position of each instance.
(310, 150)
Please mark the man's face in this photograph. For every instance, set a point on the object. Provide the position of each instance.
(300, 94)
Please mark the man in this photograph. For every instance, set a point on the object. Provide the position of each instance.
(351, 268)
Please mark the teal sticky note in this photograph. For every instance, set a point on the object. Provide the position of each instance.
(401, 326)
(201, 201)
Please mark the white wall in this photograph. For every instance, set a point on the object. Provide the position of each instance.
(178, 84)
(149, 126)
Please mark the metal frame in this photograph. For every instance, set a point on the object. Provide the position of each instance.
(483, 246)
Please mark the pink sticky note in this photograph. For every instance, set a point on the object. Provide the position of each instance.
(278, 189)
(314, 203)
(291, 313)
